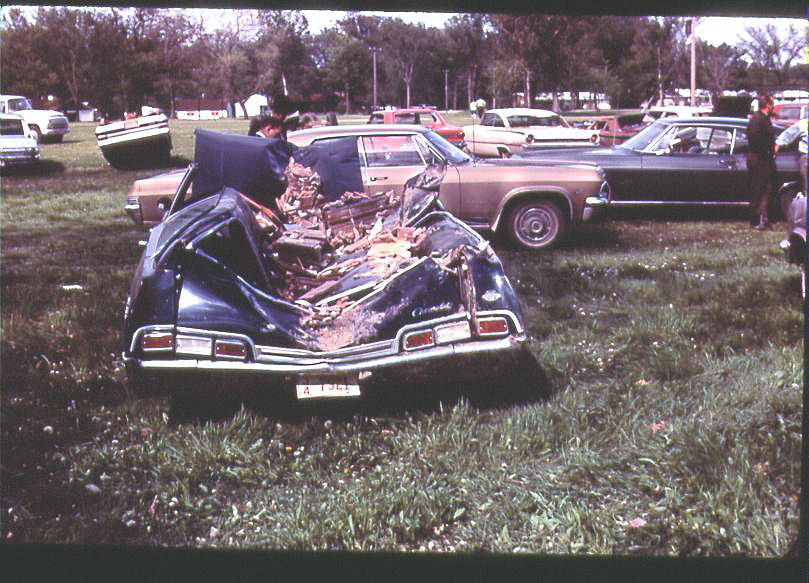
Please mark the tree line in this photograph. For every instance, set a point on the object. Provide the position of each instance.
(120, 59)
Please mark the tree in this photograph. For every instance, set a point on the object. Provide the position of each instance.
(772, 55)
(518, 37)
(467, 37)
(718, 65)
(407, 47)
(345, 63)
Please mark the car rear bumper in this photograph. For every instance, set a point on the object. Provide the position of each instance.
(271, 366)
(134, 211)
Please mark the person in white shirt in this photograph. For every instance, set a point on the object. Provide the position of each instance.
(797, 131)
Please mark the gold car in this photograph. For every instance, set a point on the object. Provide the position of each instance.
(532, 202)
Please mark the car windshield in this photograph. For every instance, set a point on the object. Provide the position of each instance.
(11, 127)
(643, 138)
(452, 154)
(19, 104)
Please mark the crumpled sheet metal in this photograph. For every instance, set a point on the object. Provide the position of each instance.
(325, 242)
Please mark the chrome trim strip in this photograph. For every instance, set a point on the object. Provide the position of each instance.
(677, 202)
(427, 354)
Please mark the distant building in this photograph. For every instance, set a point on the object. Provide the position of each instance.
(202, 108)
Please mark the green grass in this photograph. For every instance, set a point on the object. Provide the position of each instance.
(673, 346)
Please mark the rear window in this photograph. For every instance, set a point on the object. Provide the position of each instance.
(408, 118)
(376, 118)
(11, 127)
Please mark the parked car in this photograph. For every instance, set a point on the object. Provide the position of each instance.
(786, 114)
(135, 141)
(665, 111)
(18, 145)
(504, 132)
(428, 117)
(682, 161)
(532, 202)
(794, 245)
(616, 129)
(43, 123)
(336, 296)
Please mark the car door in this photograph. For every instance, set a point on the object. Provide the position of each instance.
(690, 164)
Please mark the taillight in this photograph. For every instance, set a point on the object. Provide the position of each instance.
(157, 342)
(493, 326)
(421, 339)
(230, 349)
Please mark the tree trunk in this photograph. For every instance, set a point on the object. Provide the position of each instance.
(528, 101)
(348, 99)
(469, 88)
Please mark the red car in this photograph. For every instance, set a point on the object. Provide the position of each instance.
(616, 129)
(424, 116)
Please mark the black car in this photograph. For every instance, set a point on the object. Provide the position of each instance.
(794, 245)
(278, 274)
(683, 161)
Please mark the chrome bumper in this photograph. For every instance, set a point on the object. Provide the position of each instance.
(134, 211)
(594, 205)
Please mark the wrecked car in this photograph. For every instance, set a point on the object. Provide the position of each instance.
(279, 275)
(135, 141)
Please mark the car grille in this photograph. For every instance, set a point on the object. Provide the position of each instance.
(57, 123)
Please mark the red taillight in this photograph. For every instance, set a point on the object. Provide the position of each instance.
(157, 341)
(231, 349)
(416, 340)
(493, 327)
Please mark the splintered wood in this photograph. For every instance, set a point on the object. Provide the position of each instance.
(324, 247)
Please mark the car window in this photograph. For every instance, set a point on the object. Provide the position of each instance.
(740, 144)
(376, 118)
(388, 151)
(492, 119)
(408, 118)
(720, 142)
(11, 127)
(645, 137)
(430, 118)
(522, 121)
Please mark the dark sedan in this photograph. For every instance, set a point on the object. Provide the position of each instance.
(682, 161)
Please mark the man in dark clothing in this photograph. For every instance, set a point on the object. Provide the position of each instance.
(761, 161)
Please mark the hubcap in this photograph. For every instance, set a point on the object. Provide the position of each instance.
(535, 225)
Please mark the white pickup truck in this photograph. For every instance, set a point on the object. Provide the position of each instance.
(43, 123)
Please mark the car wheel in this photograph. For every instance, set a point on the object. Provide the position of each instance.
(536, 224)
(35, 131)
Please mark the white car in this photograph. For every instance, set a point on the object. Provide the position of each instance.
(135, 140)
(503, 132)
(663, 111)
(17, 144)
(43, 123)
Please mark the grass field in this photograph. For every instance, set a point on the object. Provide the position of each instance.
(674, 345)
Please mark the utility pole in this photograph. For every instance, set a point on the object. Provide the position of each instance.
(446, 90)
(374, 51)
(693, 61)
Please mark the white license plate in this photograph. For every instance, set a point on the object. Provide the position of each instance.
(315, 390)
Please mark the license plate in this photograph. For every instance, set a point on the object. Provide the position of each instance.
(316, 390)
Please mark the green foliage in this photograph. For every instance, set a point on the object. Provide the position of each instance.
(674, 348)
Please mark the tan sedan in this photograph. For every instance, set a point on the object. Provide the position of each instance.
(532, 202)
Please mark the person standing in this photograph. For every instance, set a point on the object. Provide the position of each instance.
(797, 131)
(761, 161)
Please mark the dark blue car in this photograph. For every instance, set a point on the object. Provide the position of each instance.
(277, 274)
(682, 161)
